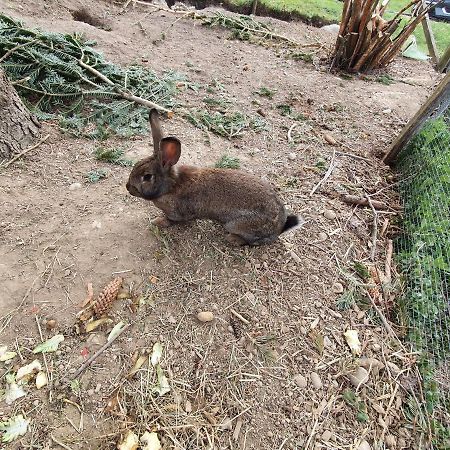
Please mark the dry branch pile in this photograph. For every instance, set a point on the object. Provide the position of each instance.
(366, 40)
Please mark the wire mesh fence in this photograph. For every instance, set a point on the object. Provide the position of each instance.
(423, 251)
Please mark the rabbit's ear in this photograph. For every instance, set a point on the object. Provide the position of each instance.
(170, 151)
(156, 129)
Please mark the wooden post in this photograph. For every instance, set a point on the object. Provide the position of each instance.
(429, 36)
(438, 102)
(444, 62)
(254, 6)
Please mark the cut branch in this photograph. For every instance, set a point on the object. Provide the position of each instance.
(123, 94)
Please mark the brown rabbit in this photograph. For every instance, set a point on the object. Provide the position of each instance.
(249, 208)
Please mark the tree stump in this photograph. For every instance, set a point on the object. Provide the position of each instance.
(18, 127)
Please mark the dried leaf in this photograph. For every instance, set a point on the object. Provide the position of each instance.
(91, 326)
(15, 427)
(29, 370)
(5, 355)
(319, 341)
(130, 442)
(90, 296)
(116, 330)
(13, 392)
(41, 380)
(113, 402)
(163, 384)
(50, 345)
(351, 336)
(157, 353)
(150, 441)
(138, 364)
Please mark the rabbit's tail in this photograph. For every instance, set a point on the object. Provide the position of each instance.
(292, 222)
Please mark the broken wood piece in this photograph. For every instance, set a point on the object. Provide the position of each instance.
(99, 352)
(373, 249)
(361, 201)
(326, 176)
(4, 166)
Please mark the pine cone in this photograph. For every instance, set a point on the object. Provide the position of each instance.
(107, 296)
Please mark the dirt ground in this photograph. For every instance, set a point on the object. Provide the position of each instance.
(244, 379)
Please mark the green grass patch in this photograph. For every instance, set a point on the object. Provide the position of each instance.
(265, 92)
(96, 175)
(113, 156)
(423, 252)
(228, 162)
(229, 125)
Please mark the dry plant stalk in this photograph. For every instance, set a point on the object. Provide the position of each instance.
(367, 41)
(106, 298)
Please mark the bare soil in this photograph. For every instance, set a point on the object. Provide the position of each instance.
(234, 381)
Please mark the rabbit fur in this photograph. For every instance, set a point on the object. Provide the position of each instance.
(248, 207)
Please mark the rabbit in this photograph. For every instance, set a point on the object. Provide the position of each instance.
(248, 207)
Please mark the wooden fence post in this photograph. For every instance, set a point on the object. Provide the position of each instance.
(438, 102)
(444, 62)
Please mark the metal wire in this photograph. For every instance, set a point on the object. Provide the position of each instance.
(423, 248)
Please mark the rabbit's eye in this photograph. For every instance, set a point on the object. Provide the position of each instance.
(148, 177)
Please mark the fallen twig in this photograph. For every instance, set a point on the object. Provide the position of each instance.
(24, 152)
(388, 263)
(236, 314)
(355, 200)
(289, 134)
(99, 352)
(326, 176)
(374, 229)
(123, 94)
(12, 50)
(59, 443)
(384, 227)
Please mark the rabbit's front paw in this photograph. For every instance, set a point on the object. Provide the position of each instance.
(162, 222)
(235, 240)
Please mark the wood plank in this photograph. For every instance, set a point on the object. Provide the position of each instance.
(438, 102)
(444, 62)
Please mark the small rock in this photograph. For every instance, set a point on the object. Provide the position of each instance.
(387, 111)
(67, 273)
(333, 28)
(329, 214)
(300, 381)
(90, 392)
(390, 441)
(50, 324)
(315, 380)
(359, 377)
(96, 224)
(205, 316)
(226, 424)
(338, 288)
(370, 363)
(330, 139)
(96, 339)
(250, 296)
(376, 347)
(292, 156)
(171, 320)
(395, 370)
(74, 186)
(364, 446)
(326, 435)
(323, 236)
(36, 403)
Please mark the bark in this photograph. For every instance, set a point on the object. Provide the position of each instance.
(18, 127)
